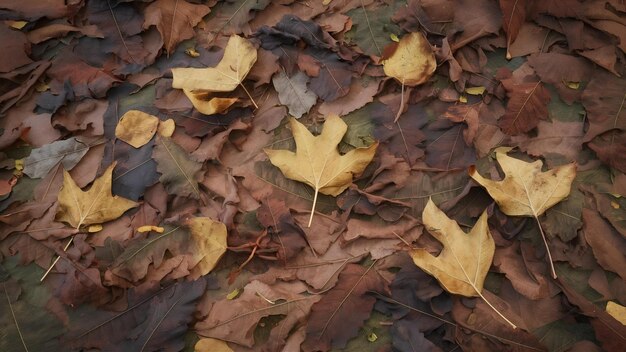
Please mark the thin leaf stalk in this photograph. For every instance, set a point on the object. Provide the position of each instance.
(545, 242)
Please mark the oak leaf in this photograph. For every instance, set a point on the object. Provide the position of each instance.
(95, 206)
(526, 190)
(317, 161)
(413, 61)
(464, 261)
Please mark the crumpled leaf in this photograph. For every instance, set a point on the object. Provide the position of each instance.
(464, 261)
(293, 92)
(174, 20)
(525, 189)
(136, 128)
(239, 57)
(413, 61)
(178, 171)
(95, 206)
(317, 162)
(68, 152)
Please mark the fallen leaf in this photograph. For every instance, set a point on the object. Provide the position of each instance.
(136, 128)
(67, 152)
(337, 317)
(526, 190)
(178, 171)
(317, 162)
(239, 57)
(202, 101)
(293, 92)
(166, 128)
(413, 61)
(174, 20)
(464, 261)
(208, 344)
(514, 16)
(617, 311)
(95, 206)
(528, 101)
(149, 228)
(372, 28)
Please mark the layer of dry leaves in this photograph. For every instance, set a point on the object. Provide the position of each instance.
(140, 209)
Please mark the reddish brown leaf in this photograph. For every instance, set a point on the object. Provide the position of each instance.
(527, 104)
(513, 15)
(337, 317)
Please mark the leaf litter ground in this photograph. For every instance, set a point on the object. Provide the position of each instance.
(190, 239)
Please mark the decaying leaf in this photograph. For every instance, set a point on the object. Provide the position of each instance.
(95, 206)
(526, 190)
(293, 92)
(413, 61)
(239, 57)
(197, 247)
(136, 128)
(464, 261)
(317, 162)
(68, 152)
(178, 171)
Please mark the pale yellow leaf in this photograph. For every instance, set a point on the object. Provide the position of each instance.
(317, 161)
(209, 239)
(211, 345)
(475, 90)
(94, 228)
(413, 61)
(207, 105)
(617, 311)
(136, 128)
(239, 57)
(525, 189)
(95, 206)
(166, 128)
(464, 261)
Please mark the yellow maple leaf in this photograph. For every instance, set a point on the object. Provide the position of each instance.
(239, 57)
(526, 190)
(464, 261)
(95, 206)
(317, 162)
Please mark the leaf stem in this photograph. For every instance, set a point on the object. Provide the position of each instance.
(17, 326)
(313, 208)
(56, 260)
(494, 308)
(249, 96)
(545, 242)
(400, 108)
